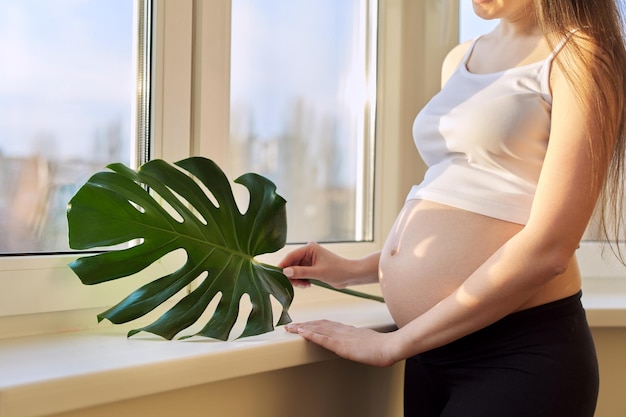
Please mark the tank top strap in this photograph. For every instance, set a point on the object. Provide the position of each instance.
(547, 66)
(470, 50)
(561, 44)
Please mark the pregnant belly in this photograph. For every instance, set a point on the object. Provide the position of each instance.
(431, 249)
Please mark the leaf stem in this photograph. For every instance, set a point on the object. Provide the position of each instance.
(330, 287)
(347, 291)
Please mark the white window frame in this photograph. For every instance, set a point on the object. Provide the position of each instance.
(191, 106)
(190, 109)
(39, 291)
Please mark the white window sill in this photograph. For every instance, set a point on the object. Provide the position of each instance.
(55, 373)
(604, 285)
(605, 301)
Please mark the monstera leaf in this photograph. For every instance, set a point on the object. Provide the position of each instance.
(113, 207)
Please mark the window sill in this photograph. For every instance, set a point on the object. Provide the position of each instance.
(56, 373)
(605, 301)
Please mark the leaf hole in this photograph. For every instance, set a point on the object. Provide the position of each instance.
(171, 261)
(209, 195)
(171, 210)
(137, 207)
(167, 205)
(277, 309)
(242, 198)
(189, 206)
(198, 280)
(245, 308)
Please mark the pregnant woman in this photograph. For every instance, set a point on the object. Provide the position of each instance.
(479, 270)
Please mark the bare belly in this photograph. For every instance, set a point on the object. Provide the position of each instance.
(433, 248)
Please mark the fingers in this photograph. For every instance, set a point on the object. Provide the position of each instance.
(301, 256)
(309, 261)
(321, 327)
(320, 339)
(300, 264)
(294, 327)
(319, 332)
(292, 258)
(300, 283)
(299, 272)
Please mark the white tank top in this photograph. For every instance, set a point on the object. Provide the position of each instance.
(484, 138)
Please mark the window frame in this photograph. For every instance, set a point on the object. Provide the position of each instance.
(190, 105)
(190, 80)
(57, 288)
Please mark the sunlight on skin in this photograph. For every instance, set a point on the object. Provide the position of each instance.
(398, 230)
(407, 218)
(421, 250)
(465, 298)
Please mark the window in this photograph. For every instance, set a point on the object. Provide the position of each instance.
(301, 113)
(185, 34)
(191, 108)
(73, 98)
(67, 108)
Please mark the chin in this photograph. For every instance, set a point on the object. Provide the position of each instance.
(482, 9)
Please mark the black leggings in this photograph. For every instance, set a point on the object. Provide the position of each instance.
(536, 362)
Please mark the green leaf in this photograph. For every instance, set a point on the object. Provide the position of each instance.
(114, 207)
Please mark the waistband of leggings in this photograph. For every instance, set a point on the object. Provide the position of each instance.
(558, 308)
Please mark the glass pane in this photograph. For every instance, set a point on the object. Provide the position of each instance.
(67, 97)
(300, 85)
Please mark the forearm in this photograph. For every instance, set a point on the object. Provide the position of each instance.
(365, 270)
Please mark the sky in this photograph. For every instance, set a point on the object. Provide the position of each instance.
(65, 71)
(283, 49)
(315, 37)
(66, 65)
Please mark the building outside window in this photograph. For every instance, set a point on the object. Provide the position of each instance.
(67, 108)
(302, 76)
(302, 109)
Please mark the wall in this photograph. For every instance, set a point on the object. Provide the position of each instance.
(327, 389)
(611, 348)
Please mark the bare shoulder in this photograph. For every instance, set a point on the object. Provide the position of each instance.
(452, 60)
(580, 59)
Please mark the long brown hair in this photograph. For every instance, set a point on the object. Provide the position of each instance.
(596, 28)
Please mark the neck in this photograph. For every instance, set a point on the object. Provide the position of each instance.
(523, 24)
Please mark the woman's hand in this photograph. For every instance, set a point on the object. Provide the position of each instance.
(316, 262)
(359, 345)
